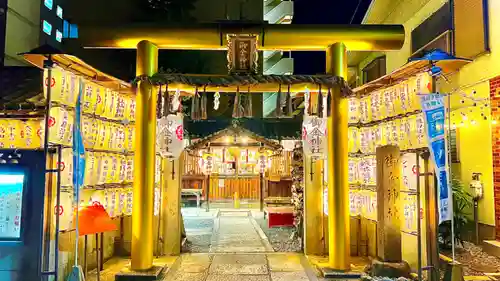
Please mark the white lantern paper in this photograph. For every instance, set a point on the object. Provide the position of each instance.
(353, 110)
(170, 136)
(314, 136)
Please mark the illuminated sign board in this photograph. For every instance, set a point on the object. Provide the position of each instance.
(11, 204)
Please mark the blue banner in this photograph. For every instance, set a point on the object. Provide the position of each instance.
(435, 116)
(78, 149)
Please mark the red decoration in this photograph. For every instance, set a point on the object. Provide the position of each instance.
(94, 219)
(53, 82)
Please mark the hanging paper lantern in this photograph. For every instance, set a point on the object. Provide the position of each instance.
(110, 104)
(100, 106)
(403, 134)
(353, 142)
(130, 138)
(375, 106)
(365, 112)
(208, 163)
(122, 168)
(354, 110)
(4, 139)
(353, 176)
(420, 131)
(91, 169)
(377, 136)
(314, 136)
(71, 89)
(364, 139)
(89, 98)
(170, 136)
(32, 134)
(121, 104)
(130, 169)
(389, 102)
(57, 84)
(65, 166)
(112, 176)
(130, 200)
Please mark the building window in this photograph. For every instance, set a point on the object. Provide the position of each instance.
(432, 28)
(59, 12)
(48, 4)
(471, 27)
(47, 27)
(454, 149)
(374, 70)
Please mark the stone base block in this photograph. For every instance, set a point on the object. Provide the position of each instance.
(389, 269)
(338, 274)
(155, 273)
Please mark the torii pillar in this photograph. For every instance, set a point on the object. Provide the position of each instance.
(338, 184)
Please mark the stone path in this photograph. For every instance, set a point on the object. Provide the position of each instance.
(240, 267)
(237, 232)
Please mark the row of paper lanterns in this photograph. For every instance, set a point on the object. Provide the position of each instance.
(102, 168)
(363, 202)
(97, 134)
(21, 134)
(407, 133)
(96, 99)
(389, 102)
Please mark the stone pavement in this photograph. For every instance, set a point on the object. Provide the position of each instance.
(240, 267)
(237, 232)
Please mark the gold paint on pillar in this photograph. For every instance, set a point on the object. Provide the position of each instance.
(338, 185)
(144, 160)
(172, 226)
(313, 211)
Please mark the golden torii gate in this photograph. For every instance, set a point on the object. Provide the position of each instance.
(334, 39)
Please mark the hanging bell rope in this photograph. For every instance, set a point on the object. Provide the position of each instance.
(326, 104)
(236, 107)
(278, 103)
(166, 101)
(320, 101)
(204, 104)
(159, 102)
(289, 102)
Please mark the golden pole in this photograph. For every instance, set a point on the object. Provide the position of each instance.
(338, 187)
(144, 159)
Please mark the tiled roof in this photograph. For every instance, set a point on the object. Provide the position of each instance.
(21, 88)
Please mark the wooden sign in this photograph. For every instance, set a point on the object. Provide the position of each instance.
(242, 54)
(388, 194)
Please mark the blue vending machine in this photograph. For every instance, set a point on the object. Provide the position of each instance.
(22, 191)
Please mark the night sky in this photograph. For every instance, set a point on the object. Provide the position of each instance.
(323, 12)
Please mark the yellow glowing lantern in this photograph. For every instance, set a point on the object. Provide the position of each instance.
(110, 100)
(353, 174)
(377, 136)
(353, 139)
(121, 105)
(129, 138)
(122, 168)
(71, 89)
(89, 98)
(57, 84)
(353, 104)
(376, 106)
(14, 133)
(130, 109)
(90, 169)
(58, 124)
(130, 169)
(4, 140)
(365, 112)
(100, 93)
(113, 172)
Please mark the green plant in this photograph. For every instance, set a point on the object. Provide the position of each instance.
(462, 202)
